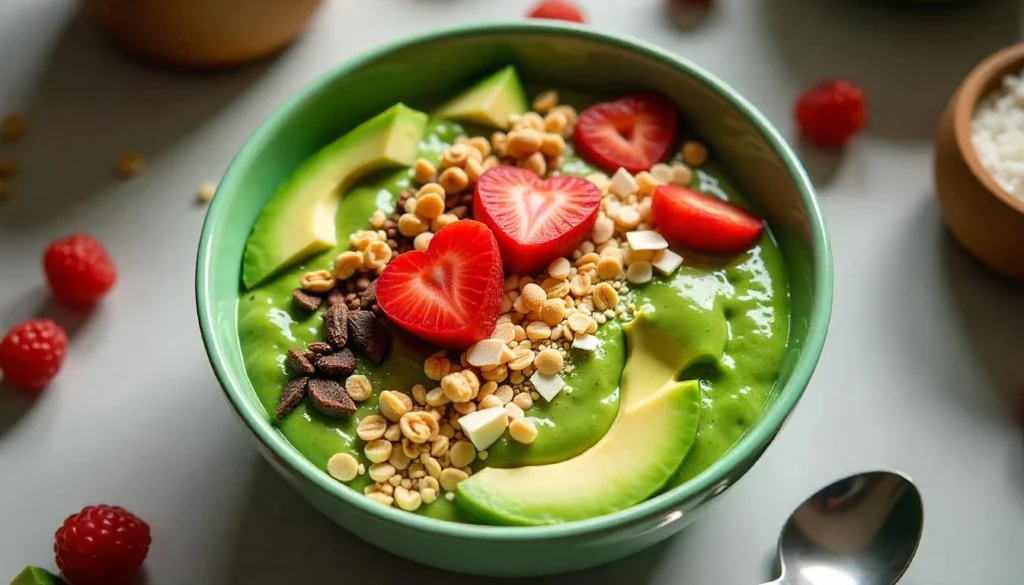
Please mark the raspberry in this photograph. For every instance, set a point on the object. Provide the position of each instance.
(831, 113)
(32, 352)
(556, 10)
(79, 270)
(101, 545)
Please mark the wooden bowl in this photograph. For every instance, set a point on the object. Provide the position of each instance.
(202, 33)
(983, 217)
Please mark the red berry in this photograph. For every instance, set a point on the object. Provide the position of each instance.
(32, 352)
(557, 10)
(101, 545)
(533, 220)
(633, 132)
(449, 294)
(79, 270)
(703, 223)
(831, 113)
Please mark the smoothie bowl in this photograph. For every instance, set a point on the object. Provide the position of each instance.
(514, 299)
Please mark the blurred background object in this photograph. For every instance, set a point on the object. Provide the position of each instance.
(202, 33)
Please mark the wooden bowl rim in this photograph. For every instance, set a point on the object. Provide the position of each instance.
(978, 83)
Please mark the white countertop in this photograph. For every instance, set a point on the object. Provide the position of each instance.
(924, 357)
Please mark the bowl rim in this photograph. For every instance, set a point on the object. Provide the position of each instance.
(978, 83)
(750, 444)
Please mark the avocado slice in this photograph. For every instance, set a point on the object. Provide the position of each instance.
(36, 576)
(640, 453)
(490, 102)
(299, 219)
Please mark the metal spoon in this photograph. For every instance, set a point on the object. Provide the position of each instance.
(862, 530)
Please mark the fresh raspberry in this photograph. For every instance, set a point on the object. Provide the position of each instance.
(101, 545)
(557, 10)
(32, 352)
(831, 113)
(79, 270)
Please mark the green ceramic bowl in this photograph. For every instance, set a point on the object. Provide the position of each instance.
(417, 71)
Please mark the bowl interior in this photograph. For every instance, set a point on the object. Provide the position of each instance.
(422, 70)
(987, 76)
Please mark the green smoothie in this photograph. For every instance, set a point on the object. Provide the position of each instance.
(731, 315)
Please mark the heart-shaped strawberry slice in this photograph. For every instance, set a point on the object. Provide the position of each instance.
(633, 132)
(449, 294)
(535, 220)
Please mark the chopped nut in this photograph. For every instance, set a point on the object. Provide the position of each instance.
(205, 192)
(513, 411)
(419, 427)
(358, 387)
(523, 430)
(456, 156)
(343, 467)
(393, 433)
(556, 122)
(535, 163)
(639, 272)
(319, 281)
(371, 428)
(424, 171)
(523, 358)
(439, 446)
(605, 297)
(430, 206)
(504, 393)
(552, 145)
(410, 225)
(523, 143)
(464, 407)
(496, 374)
(538, 330)
(490, 402)
(408, 500)
(129, 164)
(376, 255)
(437, 367)
(379, 451)
(506, 332)
(544, 101)
(346, 264)
(460, 386)
(553, 311)
(378, 219)
(533, 297)
(462, 453)
(293, 393)
(580, 285)
(454, 180)
(609, 268)
(548, 362)
(451, 477)
(398, 459)
(523, 401)
(662, 173)
(436, 397)
(474, 169)
(393, 405)
(579, 322)
(646, 183)
(381, 472)
(681, 175)
(694, 153)
(627, 217)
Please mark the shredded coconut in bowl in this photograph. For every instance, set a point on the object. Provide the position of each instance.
(997, 132)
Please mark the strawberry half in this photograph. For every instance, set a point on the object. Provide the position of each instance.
(634, 132)
(449, 294)
(535, 220)
(703, 223)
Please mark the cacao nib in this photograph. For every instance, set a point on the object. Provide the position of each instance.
(293, 393)
(305, 301)
(298, 361)
(336, 326)
(335, 297)
(337, 365)
(330, 398)
(319, 347)
(369, 335)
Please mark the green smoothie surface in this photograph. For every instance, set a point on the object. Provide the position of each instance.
(731, 315)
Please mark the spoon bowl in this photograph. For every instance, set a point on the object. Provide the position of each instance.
(861, 530)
